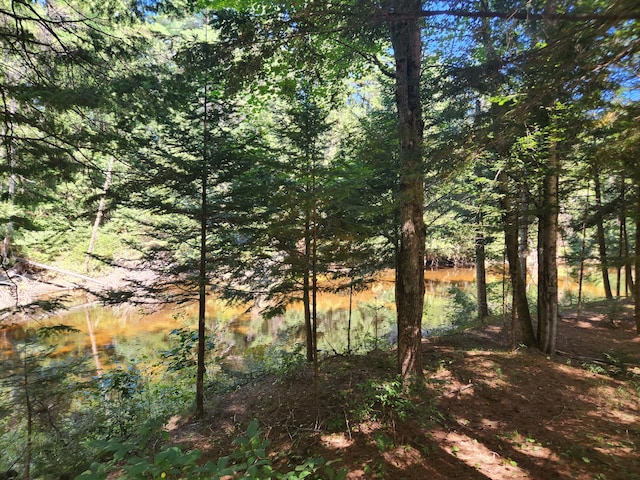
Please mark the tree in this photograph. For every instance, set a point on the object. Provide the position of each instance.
(58, 66)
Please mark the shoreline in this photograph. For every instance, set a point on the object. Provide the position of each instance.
(21, 289)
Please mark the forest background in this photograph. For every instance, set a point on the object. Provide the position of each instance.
(265, 150)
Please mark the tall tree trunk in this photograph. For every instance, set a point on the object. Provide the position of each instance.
(602, 246)
(202, 276)
(626, 259)
(628, 268)
(620, 259)
(99, 214)
(202, 299)
(404, 25)
(481, 273)
(306, 290)
(636, 288)
(547, 254)
(622, 215)
(583, 249)
(314, 277)
(523, 245)
(510, 221)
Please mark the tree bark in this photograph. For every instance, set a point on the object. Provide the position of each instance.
(510, 217)
(636, 288)
(583, 249)
(481, 274)
(628, 268)
(523, 227)
(547, 254)
(202, 275)
(406, 40)
(306, 289)
(602, 246)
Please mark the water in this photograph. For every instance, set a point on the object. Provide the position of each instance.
(118, 336)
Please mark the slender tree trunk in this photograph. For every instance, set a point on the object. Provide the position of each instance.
(481, 275)
(622, 214)
(583, 249)
(349, 319)
(306, 290)
(620, 260)
(202, 276)
(202, 300)
(628, 267)
(481, 272)
(314, 277)
(99, 214)
(519, 293)
(602, 245)
(406, 40)
(636, 288)
(547, 254)
(523, 245)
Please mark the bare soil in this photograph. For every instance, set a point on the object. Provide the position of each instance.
(485, 412)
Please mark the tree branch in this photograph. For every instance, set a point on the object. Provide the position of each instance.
(524, 15)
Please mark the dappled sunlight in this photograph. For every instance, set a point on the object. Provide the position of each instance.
(478, 456)
(337, 441)
(524, 411)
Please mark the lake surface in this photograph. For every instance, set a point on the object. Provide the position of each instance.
(119, 336)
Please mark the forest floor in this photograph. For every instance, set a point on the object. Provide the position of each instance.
(486, 412)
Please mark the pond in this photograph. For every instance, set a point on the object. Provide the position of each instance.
(119, 336)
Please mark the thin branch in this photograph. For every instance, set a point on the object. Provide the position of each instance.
(524, 15)
(372, 58)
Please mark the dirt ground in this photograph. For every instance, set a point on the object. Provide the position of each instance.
(486, 412)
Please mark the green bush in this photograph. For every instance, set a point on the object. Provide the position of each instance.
(249, 459)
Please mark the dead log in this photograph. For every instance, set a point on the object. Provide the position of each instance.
(42, 266)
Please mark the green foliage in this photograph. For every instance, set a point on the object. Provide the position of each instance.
(462, 307)
(383, 398)
(276, 359)
(183, 355)
(249, 459)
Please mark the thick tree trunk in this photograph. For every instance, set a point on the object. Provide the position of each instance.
(404, 25)
(602, 246)
(519, 293)
(547, 254)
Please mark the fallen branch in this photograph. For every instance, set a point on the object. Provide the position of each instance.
(602, 361)
(42, 266)
(457, 391)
